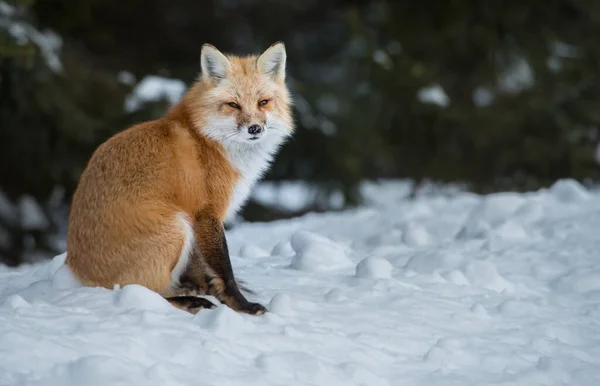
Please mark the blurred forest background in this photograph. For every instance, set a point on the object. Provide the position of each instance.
(491, 95)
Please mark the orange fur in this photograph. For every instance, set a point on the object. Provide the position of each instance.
(124, 224)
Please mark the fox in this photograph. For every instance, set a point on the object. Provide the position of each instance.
(150, 205)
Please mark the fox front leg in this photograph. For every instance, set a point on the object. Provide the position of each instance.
(212, 244)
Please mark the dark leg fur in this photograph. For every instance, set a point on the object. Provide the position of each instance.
(210, 236)
(188, 284)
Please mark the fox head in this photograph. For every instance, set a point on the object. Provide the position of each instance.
(243, 99)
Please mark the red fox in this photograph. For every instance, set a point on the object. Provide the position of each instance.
(149, 206)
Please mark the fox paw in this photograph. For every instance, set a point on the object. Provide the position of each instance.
(254, 309)
(191, 304)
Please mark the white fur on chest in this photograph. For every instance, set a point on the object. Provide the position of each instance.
(252, 162)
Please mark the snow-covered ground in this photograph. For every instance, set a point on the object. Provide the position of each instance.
(443, 290)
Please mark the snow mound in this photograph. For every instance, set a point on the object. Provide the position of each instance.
(299, 367)
(283, 248)
(479, 310)
(393, 236)
(415, 235)
(13, 302)
(360, 375)
(335, 295)
(569, 191)
(490, 213)
(510, 231)
(506, 234)
(374, 268)
(530, 212)
(580, 281)
(515, 307)
(98, 370)
(430, 261)
(223, 322)
(135, 296)
(64, 279)
(448, 352)
(281, 304)
(253, 251)
(436, 354)
(484, 274)
(317, 253)
(456, 277)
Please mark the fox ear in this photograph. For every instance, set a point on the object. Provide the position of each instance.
(213, 63)
(272, 61)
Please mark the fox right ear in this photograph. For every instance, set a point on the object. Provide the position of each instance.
(213, 63)
(272, 61)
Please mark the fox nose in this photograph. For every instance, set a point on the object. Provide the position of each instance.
(255, 129)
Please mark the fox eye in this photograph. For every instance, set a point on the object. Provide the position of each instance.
(263, 102)
(234, 105)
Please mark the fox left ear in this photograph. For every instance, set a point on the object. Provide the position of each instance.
(214, 64)
(272, 61)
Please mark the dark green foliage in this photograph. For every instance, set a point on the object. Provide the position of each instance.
(524, 139)
(356, 68)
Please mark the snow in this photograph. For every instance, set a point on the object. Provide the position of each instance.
(299, 195)
(22, 33)
(517, 77)
(224, 323)
(483, 96)
(291, 196)
(317, 253)
(374, 268)
(251, 250)
(281, 304)
(569, 191)
(32, 215)
(126, 77)
(415, 235)
(506, 291)
(8, 211)
(382, 58)
(6, 9)
(434, 94)
(154, 88)
(283, 248)
(138, 297)
(560, 52)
